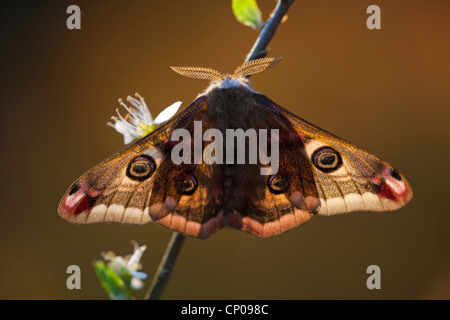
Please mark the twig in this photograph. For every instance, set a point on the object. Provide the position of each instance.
(268, 30)
(164, 271)
(165, 268)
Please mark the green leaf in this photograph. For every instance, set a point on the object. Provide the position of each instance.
(118, 290)
(247, 12)
(100, 270)
(116, 287)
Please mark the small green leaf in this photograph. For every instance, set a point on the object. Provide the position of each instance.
(118, 290)
(116, 287)
(247, 12)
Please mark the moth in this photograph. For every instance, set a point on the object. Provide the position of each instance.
(318, 174)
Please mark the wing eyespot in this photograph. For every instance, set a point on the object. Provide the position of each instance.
(187, 186)
(278, 183)
(326, 159)
(141, 168)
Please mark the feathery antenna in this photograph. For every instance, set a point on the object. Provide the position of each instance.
(248, 68)
(255, 66)
(198, 73)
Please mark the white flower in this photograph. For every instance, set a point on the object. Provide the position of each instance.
(139, 122)
(130, 264)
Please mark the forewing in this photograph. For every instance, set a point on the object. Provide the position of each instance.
(115, 191)
(348, 178)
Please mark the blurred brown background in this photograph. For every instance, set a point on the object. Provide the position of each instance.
(386, 90)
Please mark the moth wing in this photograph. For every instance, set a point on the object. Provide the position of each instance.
(109, 192)
(357, 181)
(267, 205)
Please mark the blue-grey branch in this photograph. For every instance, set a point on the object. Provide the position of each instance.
(268, 30)
(164, 271)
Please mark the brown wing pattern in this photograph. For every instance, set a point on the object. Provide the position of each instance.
(318, 173)
(348, 178)
(141, 184)
(267, 205)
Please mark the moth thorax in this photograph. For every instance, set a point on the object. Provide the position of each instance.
(228, 82)
(230, 107)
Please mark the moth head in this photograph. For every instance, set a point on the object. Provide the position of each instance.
(241, 73)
